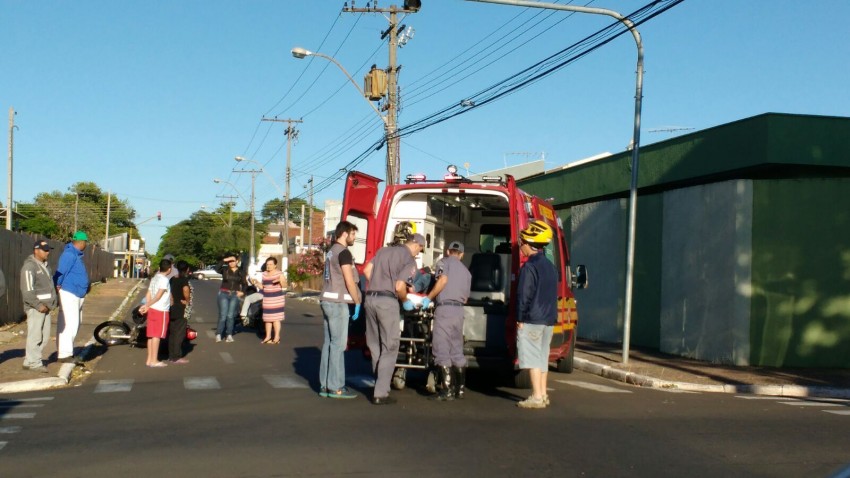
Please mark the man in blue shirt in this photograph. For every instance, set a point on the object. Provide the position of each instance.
(537, 312)
(72, 282)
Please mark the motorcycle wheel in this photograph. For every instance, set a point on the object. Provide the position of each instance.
(112, 333)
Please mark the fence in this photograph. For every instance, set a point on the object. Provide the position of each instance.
(15, 247)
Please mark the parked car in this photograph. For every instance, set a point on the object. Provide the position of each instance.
(208, 273)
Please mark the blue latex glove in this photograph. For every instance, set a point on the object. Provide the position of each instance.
(426, 302)
(356, 312)
(408, 305)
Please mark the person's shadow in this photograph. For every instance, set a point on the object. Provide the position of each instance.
(308, 359)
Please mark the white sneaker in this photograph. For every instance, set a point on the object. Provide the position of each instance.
(229, 338)
(532, 402)
(218, 338)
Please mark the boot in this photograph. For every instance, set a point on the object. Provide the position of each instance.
(447, 388)
(459, 381)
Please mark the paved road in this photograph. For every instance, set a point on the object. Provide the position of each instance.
(246, 410)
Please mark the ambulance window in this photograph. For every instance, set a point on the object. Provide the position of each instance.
(358, 250)
(492, 236)
(553, 253)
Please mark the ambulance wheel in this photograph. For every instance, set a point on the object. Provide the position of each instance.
(431, 382)
(522, 379)
(399, 380)
(565, 365)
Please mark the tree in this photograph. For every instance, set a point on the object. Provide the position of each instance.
(274, 210)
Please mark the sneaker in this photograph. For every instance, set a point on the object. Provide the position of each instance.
(532, 402)
(71, 359)
(343, 392)
(218, 337)
(39, 368)
(229, 338)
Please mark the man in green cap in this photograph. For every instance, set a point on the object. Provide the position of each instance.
(72, 282)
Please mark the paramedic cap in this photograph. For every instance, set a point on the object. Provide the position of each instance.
(169, 257)
(419, 239)
(42, 244)
(456, 246)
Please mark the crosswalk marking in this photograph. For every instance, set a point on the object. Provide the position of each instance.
(760, 397)
(283, 381)
(107, 386)
(811, 404)
(3, 444)
(35, 399)
(201, 383)
(211, 334)
(226, 357)
(593, 386)
(838, 412)
(14, 416)
(361, 381)
(8, 430)
(20, 405)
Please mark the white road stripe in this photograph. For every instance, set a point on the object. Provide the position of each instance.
(13, 416)
(361, 380)
(107, 386)
(20, 405)
(760, 397)
(6, 430)
(3, 444)
(283, 381)
(201, 383)
(36, 399)
(838, 412)
(593, 386)
(198, 320)
(211, 334)
(811, 404)
(226, 357)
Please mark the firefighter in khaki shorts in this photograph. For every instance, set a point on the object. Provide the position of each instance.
(537, 297)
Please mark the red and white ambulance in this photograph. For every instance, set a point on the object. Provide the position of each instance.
(485, 215)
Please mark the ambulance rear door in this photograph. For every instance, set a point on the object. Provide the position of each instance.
(360, 207)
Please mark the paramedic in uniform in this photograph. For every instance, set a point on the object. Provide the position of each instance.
(451, 291)
(388, 274)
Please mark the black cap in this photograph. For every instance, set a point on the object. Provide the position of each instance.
(43, 245)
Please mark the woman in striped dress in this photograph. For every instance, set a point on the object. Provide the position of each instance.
(274, 301)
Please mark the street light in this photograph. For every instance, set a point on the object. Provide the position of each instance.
(389, 128)
(630, 247)
(253, 173)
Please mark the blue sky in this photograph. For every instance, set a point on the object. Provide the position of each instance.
(152, 100)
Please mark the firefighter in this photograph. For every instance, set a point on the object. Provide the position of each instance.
(450, 291)
(388, 273)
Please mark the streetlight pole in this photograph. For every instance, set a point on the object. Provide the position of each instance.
(11, 162)
(389, 125)
(253, 173)
(630, 247)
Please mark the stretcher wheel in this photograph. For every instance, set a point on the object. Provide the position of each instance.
(399, 380)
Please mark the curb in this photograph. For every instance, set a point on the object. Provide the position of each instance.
(65, 371)
(612, 373)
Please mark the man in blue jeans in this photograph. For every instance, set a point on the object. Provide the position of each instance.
(233, 285)
(537, 312)
(339, 290)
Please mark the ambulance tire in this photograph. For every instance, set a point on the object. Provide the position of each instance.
(399, 380)
(522, 379)
(565, 365)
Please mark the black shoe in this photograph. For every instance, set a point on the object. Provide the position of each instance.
(383, 400)
(72, 359)
(460, 381)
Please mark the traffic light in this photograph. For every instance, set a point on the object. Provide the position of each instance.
(159, 215)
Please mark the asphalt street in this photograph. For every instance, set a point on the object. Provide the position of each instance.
(249, 410)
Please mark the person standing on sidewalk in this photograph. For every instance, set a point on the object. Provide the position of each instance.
(339, 290)
(177, 318)
(39, 298)
(450, 292)
(537, 298)
(157, 305)
(233, 285)
(72, 282)
(389, 273)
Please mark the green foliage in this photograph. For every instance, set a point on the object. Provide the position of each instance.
(206, 236)
(274, 210)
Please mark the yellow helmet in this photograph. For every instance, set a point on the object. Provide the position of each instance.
(537, 233)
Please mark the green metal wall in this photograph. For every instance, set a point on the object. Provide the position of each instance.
(801, 273)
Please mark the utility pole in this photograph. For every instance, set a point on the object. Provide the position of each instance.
(229, 207)
(410, 6)
(310, 230)
(108, 206)
(302, 226)
(291, 134)
(12, 127)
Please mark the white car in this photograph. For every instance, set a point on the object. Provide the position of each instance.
(208, 273)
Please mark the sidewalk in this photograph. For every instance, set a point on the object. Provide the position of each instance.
(646, 368)
(104, 302)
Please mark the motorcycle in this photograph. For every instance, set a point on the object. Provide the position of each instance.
(116, 332)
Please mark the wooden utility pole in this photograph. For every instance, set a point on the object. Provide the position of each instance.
(108, 207)
(310, 230)
(392, 140)
(11, 162)
(291, 134)
(229, 207)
